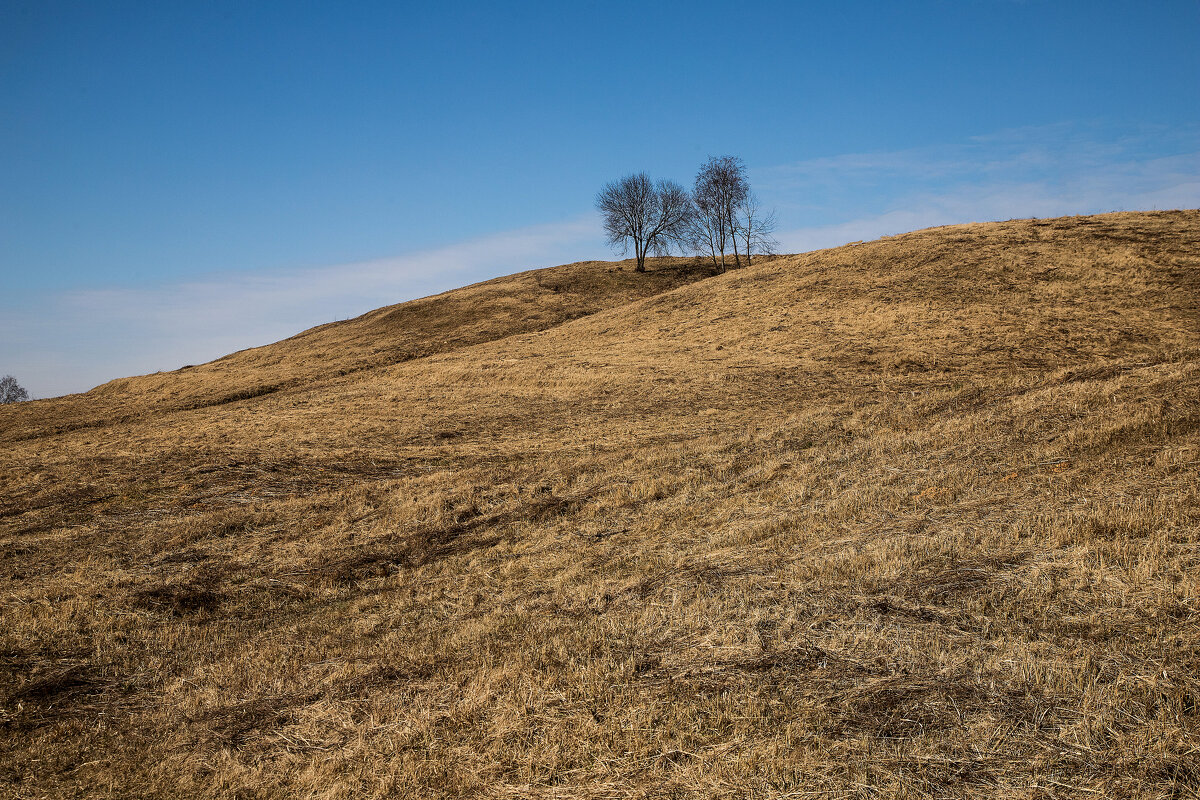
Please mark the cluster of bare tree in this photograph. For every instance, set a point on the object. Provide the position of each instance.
(720, 215)
(11, 391)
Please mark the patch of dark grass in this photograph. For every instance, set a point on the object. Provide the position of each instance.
(237, 725)
(180, 599)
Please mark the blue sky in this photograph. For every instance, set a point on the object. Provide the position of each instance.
(181, 180)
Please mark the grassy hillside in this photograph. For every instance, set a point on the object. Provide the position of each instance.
(527, 301)
(913, 518)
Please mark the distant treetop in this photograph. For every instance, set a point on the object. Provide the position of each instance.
(11, 391)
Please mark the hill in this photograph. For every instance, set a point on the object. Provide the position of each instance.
(527, 301)
(912, 518)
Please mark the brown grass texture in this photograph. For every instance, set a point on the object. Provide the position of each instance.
(905, 519)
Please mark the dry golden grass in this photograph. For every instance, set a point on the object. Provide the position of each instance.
(913, 518)
(520, 303)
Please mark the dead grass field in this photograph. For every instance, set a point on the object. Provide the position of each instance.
(913, 518)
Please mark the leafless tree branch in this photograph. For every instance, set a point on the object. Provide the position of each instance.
(654, 216)
(721, 186)
(755, 227)
(11, 391)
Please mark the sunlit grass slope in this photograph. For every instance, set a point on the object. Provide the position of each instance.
(912, 518)
(527, 301)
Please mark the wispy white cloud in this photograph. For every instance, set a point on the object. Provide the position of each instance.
(1049, 171)
(72, 341)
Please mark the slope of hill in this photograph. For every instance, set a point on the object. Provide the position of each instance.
(527, 301)
(912, 518)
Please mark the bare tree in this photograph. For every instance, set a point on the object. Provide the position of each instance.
(755, 227)
(11, 391)
(705, 236)
(721, 187)
(652, 215)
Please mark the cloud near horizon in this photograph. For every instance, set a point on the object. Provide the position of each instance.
(1051, 171)
(72, 341)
